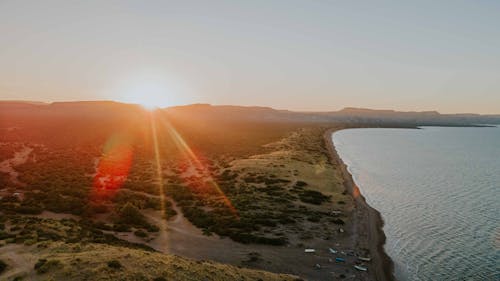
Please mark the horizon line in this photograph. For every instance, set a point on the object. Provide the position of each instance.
(36, 102)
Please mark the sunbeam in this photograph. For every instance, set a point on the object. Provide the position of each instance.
(152, 121)
(194, 160)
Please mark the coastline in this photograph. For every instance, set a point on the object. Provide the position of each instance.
(365, 217)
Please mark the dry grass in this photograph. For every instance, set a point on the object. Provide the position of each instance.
(300, 158)
(92, 262)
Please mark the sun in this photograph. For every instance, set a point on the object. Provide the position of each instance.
(149, 95)
(151, 88)
(149, 104)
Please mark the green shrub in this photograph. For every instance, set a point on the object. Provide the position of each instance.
(5, 235)
(313, 197)
(114, 264)
(3, 266)
(130, 215)
(169, 211)
(313, 219)
(29, 209)
(140, 233)
(121, 227)
(338, 221)
(44, 266)
(39, 263)
(152, 228)
(301, 184)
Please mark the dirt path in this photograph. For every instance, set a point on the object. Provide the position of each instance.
(20, 157)
(19, 258)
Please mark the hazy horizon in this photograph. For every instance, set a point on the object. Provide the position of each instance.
(275, 108)
(295, 55)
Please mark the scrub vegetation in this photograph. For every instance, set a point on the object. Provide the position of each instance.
(103, 179)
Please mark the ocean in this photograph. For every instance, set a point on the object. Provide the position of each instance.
(438, 190)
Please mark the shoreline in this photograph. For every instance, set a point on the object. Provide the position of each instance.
(366, 217)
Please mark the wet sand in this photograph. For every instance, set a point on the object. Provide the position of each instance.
(368, 222)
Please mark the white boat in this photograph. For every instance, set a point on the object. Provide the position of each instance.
(332, 251)
(364, 259)
(309, 250)
(360, 268)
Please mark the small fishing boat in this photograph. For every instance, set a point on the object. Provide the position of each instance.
(332, 251)
(309, 251)
(339, 260)
(364, 259)
(360, 268)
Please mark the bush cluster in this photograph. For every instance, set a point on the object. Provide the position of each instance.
(313, 197)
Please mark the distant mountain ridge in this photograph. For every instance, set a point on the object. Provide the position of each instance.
(229, 113)
(359, 110)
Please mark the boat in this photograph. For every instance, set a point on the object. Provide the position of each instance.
(360, 268)
(309, 250)
(364, 259)
(339, 260)
(332, 251)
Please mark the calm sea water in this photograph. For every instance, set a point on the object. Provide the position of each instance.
(438, 190)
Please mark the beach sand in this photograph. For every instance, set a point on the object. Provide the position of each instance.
(369, 222)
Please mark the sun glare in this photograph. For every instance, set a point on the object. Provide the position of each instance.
(150, 97)
(149, 105)
(148, 91)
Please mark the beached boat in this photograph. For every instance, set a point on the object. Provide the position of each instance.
(364, 259)
(360, 268)
(339, 260)
(332, 251)
(309, 250)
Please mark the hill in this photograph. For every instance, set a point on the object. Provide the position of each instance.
(79, 262)
(231, 114)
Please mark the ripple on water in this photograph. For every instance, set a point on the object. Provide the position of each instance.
(437, 190)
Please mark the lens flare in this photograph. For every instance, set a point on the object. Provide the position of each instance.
(156, 150)
(114, 164)
(198, 165)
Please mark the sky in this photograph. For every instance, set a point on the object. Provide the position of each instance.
(297, 55)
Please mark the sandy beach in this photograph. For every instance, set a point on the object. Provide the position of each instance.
(368, 221)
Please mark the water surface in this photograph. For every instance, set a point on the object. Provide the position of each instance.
(438, 190)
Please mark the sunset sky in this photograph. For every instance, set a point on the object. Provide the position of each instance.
(298, 55)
